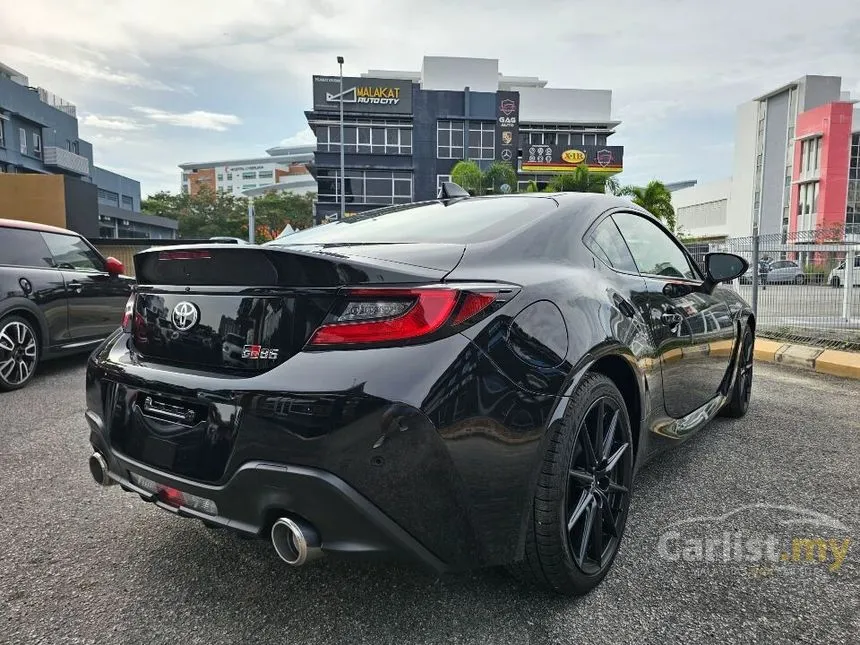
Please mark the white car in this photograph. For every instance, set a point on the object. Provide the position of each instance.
(837, 276)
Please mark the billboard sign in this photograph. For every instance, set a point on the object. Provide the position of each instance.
(553, 158)
(383, 95)
(507, 126)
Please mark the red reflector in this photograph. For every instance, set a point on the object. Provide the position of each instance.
(474, 304)
(171, 496)
(431, 310)
(128, 315)
(184, 255)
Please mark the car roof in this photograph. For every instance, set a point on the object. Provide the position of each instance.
(34, 226)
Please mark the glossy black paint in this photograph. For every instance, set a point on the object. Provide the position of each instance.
(443, 438)
(71, 310)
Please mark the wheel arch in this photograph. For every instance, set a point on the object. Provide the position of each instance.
(31, 313)
(619, 370)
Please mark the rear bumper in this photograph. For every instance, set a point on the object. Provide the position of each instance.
(259, 492)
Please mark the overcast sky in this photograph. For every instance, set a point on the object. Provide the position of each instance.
(161, 82)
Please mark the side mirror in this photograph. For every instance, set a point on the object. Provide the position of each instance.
(114, 266)
(723, 267)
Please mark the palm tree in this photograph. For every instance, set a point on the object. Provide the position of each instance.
(654, 198)
(582, 180)
(468, 175)
(500, 173)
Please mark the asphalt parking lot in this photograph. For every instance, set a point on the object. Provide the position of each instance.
(81, 564)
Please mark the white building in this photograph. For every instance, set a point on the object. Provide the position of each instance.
(284, 169)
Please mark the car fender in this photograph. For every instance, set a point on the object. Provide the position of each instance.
(17, 304)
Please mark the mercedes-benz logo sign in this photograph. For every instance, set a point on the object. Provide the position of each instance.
(185, 315)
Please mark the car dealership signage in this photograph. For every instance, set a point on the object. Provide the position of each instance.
(363, 94)
(553, 158)
(507, 126)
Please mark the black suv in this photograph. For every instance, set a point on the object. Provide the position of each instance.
(58, 296)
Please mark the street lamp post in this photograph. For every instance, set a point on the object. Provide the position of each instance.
(342, 144)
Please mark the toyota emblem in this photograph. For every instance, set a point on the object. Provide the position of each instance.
(185, 315)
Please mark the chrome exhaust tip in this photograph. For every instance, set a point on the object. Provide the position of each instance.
(295, 543)
(99, 470)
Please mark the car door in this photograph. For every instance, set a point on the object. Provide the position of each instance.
(779, 272)
(29, 279)
(96, 299)
(685, 322)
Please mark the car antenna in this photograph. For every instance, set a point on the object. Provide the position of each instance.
(450, 190)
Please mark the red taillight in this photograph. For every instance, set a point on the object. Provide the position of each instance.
(374, 316)
(128, 316)
(184, 255)
(171, 496)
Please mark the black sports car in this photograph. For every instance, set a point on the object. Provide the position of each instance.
(464, 382)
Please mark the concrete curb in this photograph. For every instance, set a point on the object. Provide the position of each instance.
(826, 361)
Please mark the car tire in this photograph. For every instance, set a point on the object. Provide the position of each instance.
(19, 352)
(562, 559)
(834, 282)
(739, 400)
(799, 279)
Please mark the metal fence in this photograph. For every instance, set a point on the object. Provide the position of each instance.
(804, 287)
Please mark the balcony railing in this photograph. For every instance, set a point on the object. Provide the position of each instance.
(56, 102)
(62, 158)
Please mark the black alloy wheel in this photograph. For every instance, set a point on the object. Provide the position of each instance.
(739, 401)
(19, 353)
(583, 493)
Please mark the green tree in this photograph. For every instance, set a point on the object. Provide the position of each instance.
(654, 198)
(209, 213)
(500, 173)
(532, 187)
(582, 180)
(274, 210)
(468, 175)
(164, 204)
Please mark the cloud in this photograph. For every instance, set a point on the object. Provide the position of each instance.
(198, 119)
(303, 137)
(83, 69)
(120, 123)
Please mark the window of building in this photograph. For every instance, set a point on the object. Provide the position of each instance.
(366, 138)
(249, 175)
(265, 174)
(365, 187)
(449, 140)
(229, 176)
(2, 133)
(220, 177)
(127, 202)
(247, 186)
(108, 197)
(807, 206)
(22, 140)
(482, 140)
(441, 179)
(75, 147)
(810, 155)
(37, 144)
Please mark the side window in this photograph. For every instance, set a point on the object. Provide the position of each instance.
(22, 248)
(605, 242)
(655, 252)
(71, 252)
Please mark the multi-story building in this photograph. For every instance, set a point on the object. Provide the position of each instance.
(759, 195)
(44, 160)
(404, 131)
(284, 169)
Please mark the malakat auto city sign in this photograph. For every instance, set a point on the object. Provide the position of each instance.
(553, 158)
(363, 94)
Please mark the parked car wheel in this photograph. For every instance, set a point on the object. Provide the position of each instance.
(799, 279)
(739, 401)
(19, 352)
(583, 493)
(834, 282)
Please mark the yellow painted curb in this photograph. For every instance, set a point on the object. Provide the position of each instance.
(838, 363)
(766, 350)
(722, 348)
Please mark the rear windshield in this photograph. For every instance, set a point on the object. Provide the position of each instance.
(465, 221)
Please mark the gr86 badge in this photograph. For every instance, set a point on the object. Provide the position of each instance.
(258, 352)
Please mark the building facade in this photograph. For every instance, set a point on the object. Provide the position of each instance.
(41, 151)
(764, 175)
(284, 169)
(404, 131)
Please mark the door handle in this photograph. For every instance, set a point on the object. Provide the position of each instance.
(76, 286)
(671, 320)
